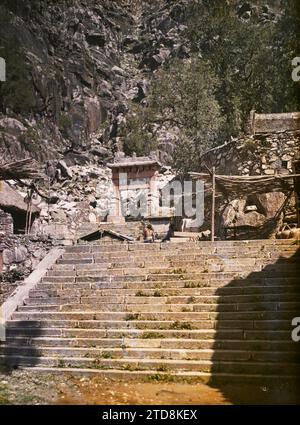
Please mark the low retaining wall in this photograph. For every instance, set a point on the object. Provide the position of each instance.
(22, 292)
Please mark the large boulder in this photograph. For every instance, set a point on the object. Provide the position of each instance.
(21, 253)
(8, 257)
(270, 203)
(11, 200)
(12, 126)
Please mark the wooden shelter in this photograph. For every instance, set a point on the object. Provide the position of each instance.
(232, 187)
(22, 211)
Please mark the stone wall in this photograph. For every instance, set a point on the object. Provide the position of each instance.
(259, 154)
(273, 123)
(23, 252)
(6, 223)
(268, 154)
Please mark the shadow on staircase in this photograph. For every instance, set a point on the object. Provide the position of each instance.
(20, 333)
(267, 344)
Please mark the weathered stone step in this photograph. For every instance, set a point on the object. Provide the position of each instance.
(175, 261)
(172, 320)
(137, 330)
(186, 376)
(157, 364)
(225, 277)
(115, 330)
(178, 259)
(213, 284)
(140, 298)
(152, 354)
(203, 269)
(185, 255)
(163, 307)
(227, 245)
(264, 291)
(154, 339)
(148, 314)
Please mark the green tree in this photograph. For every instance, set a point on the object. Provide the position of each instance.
(137, 132)
(251, 59)
(182, 96)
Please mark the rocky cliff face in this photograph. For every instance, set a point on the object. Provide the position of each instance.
(72, 53)
(76, 68)
(80, 64)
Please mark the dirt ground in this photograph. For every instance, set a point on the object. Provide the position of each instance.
(21, 387)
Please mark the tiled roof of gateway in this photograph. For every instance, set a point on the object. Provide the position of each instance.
(134, 160)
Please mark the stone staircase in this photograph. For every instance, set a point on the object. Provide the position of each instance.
(195, 310)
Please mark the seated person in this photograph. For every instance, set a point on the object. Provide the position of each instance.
(149, 234)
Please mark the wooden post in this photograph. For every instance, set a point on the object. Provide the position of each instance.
(213, 207)
(296, 190)
(49, 193)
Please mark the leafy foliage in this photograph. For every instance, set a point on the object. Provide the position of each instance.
(181, 97)
(139, 138)
(251, 59)
(11, 276)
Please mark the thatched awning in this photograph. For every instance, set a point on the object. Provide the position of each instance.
(12, 201)
(24, 169)
(100, 233)
(246, 185)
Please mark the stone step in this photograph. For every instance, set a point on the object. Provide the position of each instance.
(170, 263)
(286, 256)
(257, 291)
(184, 254)
(217, 285)
(176, 259)
(171, 320)
(114, 330)
(97, 314)
(140, 298)
(226, 277)
(153, 339)
(186, 376)
(179, 268)
(227, 245)
(138, 284)
(90, 305)
(163, 365)
(125, 354)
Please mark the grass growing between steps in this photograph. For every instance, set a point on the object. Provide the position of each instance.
(130, 317)
(181, 326)
(152, 335)
(196, 285)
